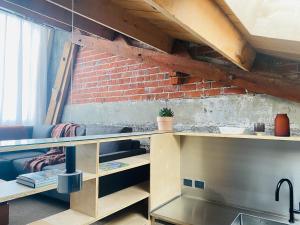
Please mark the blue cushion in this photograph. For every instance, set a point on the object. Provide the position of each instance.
(42, 131)
(20, 155)
(121, 154)
(19, 165)
(7, 171)
(99, 129)
(80, 131)
(61, 166)
(19, 162)
(113, 146)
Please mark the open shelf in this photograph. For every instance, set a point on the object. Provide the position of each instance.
(137, 214)
(117, 201)
(133, 162)
(66, 218)
(130, 218)
(12, 190)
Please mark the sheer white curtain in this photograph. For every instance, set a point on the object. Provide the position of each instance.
(23, 70)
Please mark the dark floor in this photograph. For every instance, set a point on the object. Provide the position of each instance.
(30, 209)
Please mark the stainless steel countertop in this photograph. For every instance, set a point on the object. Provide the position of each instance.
(187, 210)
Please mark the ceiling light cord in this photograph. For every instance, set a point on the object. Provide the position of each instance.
(72, 60)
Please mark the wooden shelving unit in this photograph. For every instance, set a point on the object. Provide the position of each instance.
(133, 162)
(129, 216)
(119, 200)
(12, 190)
(107, 206)
(85, 206)
(66, 218)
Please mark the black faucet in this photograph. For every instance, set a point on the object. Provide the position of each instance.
(291, 210)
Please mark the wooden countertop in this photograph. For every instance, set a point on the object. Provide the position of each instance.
(238, 136)
(27, 144)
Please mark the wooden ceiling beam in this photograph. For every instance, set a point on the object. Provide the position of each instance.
(47, 13)
(33, 16)
(258, 82)
(207, 23)
(108, 14)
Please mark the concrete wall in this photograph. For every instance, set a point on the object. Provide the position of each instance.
(194, 114)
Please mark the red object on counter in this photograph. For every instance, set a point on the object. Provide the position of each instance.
(282, 125)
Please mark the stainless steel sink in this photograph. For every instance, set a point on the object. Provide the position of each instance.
(245, 219)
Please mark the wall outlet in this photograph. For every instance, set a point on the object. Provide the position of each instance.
(199, 184)
(188, 182)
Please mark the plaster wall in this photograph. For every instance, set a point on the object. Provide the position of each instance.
(203, 114)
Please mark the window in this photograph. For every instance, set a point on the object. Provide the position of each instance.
(269, 18)
(23, 70)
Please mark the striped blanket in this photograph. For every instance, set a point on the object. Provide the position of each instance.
(55, 155)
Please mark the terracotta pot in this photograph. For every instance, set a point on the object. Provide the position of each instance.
(282, 125)
(165, 123)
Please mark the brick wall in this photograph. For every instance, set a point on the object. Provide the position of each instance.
(101, 77)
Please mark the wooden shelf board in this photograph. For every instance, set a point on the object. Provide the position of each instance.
(128, 218)
(133, 162)
(12, 190)
(107, 205)
(66, 218)
(120, 200)
(239, 136)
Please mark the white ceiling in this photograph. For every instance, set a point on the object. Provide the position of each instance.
(271, 26)
(269, 18)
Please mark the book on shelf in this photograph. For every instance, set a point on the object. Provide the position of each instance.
(112, 165)
(39, 179)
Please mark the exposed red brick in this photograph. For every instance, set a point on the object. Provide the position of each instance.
(212, 92)
(134, 91)
(167, 83)
(176, 95)
(102, 77)
(193, 94)
(193, 79)
(203, 85)
(147, 97)
(161, 96)
(135, 97)
(219, 84)
(151, 84)
(234, 90)
(155, 90)
(188, 87)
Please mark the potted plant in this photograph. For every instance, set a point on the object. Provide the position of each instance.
(165, 119)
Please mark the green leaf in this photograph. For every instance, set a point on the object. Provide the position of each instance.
(166, 112)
